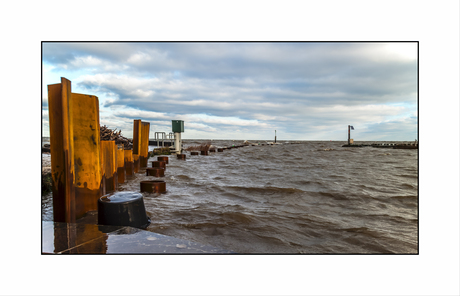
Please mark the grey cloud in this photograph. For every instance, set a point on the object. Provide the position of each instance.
(235, 79)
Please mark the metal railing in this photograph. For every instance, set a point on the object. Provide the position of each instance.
(162, 136)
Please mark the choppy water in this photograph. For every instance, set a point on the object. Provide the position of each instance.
(312, 197)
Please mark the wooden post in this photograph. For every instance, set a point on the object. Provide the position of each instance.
(86, 146)
(62, 158)
(120, 164)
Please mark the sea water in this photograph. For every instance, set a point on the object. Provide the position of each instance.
(307, 197)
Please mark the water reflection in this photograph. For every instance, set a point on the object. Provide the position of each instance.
(71, 238)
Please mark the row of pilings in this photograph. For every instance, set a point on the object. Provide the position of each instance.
(83, 167)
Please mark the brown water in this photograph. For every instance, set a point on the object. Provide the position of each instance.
(312, 198)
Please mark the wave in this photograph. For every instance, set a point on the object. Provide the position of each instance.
(266, 190)
(405, 196)
(335, 195)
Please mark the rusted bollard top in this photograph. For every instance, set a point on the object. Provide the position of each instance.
(181, 156)
(204, 153)
(220, 149)
(155, 172)
(159, 164)
(212, 150)
(194, 153)
(153, 186)
(163, 158)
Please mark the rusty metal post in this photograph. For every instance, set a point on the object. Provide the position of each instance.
(137, 137)
(62, 158)
(159, 164)
(129, 164)
(163, 158)
(121, 164)
(86, 146)
(153, 186)
(144, 147)
(156, 172)
(109, 166)
(136, 163)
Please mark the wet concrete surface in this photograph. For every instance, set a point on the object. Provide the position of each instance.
(80, 238)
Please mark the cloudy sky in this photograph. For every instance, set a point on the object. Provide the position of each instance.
(304, 91)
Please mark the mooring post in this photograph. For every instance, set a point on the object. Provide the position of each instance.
(86, 146)
(61, 147)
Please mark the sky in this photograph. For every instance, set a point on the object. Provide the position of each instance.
(245, 90)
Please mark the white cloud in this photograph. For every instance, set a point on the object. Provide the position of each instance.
(86, 61)
(245, 86)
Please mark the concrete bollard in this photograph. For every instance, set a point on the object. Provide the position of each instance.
(153, 186)
(121, 164)
(129, 163)
(155, 172)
